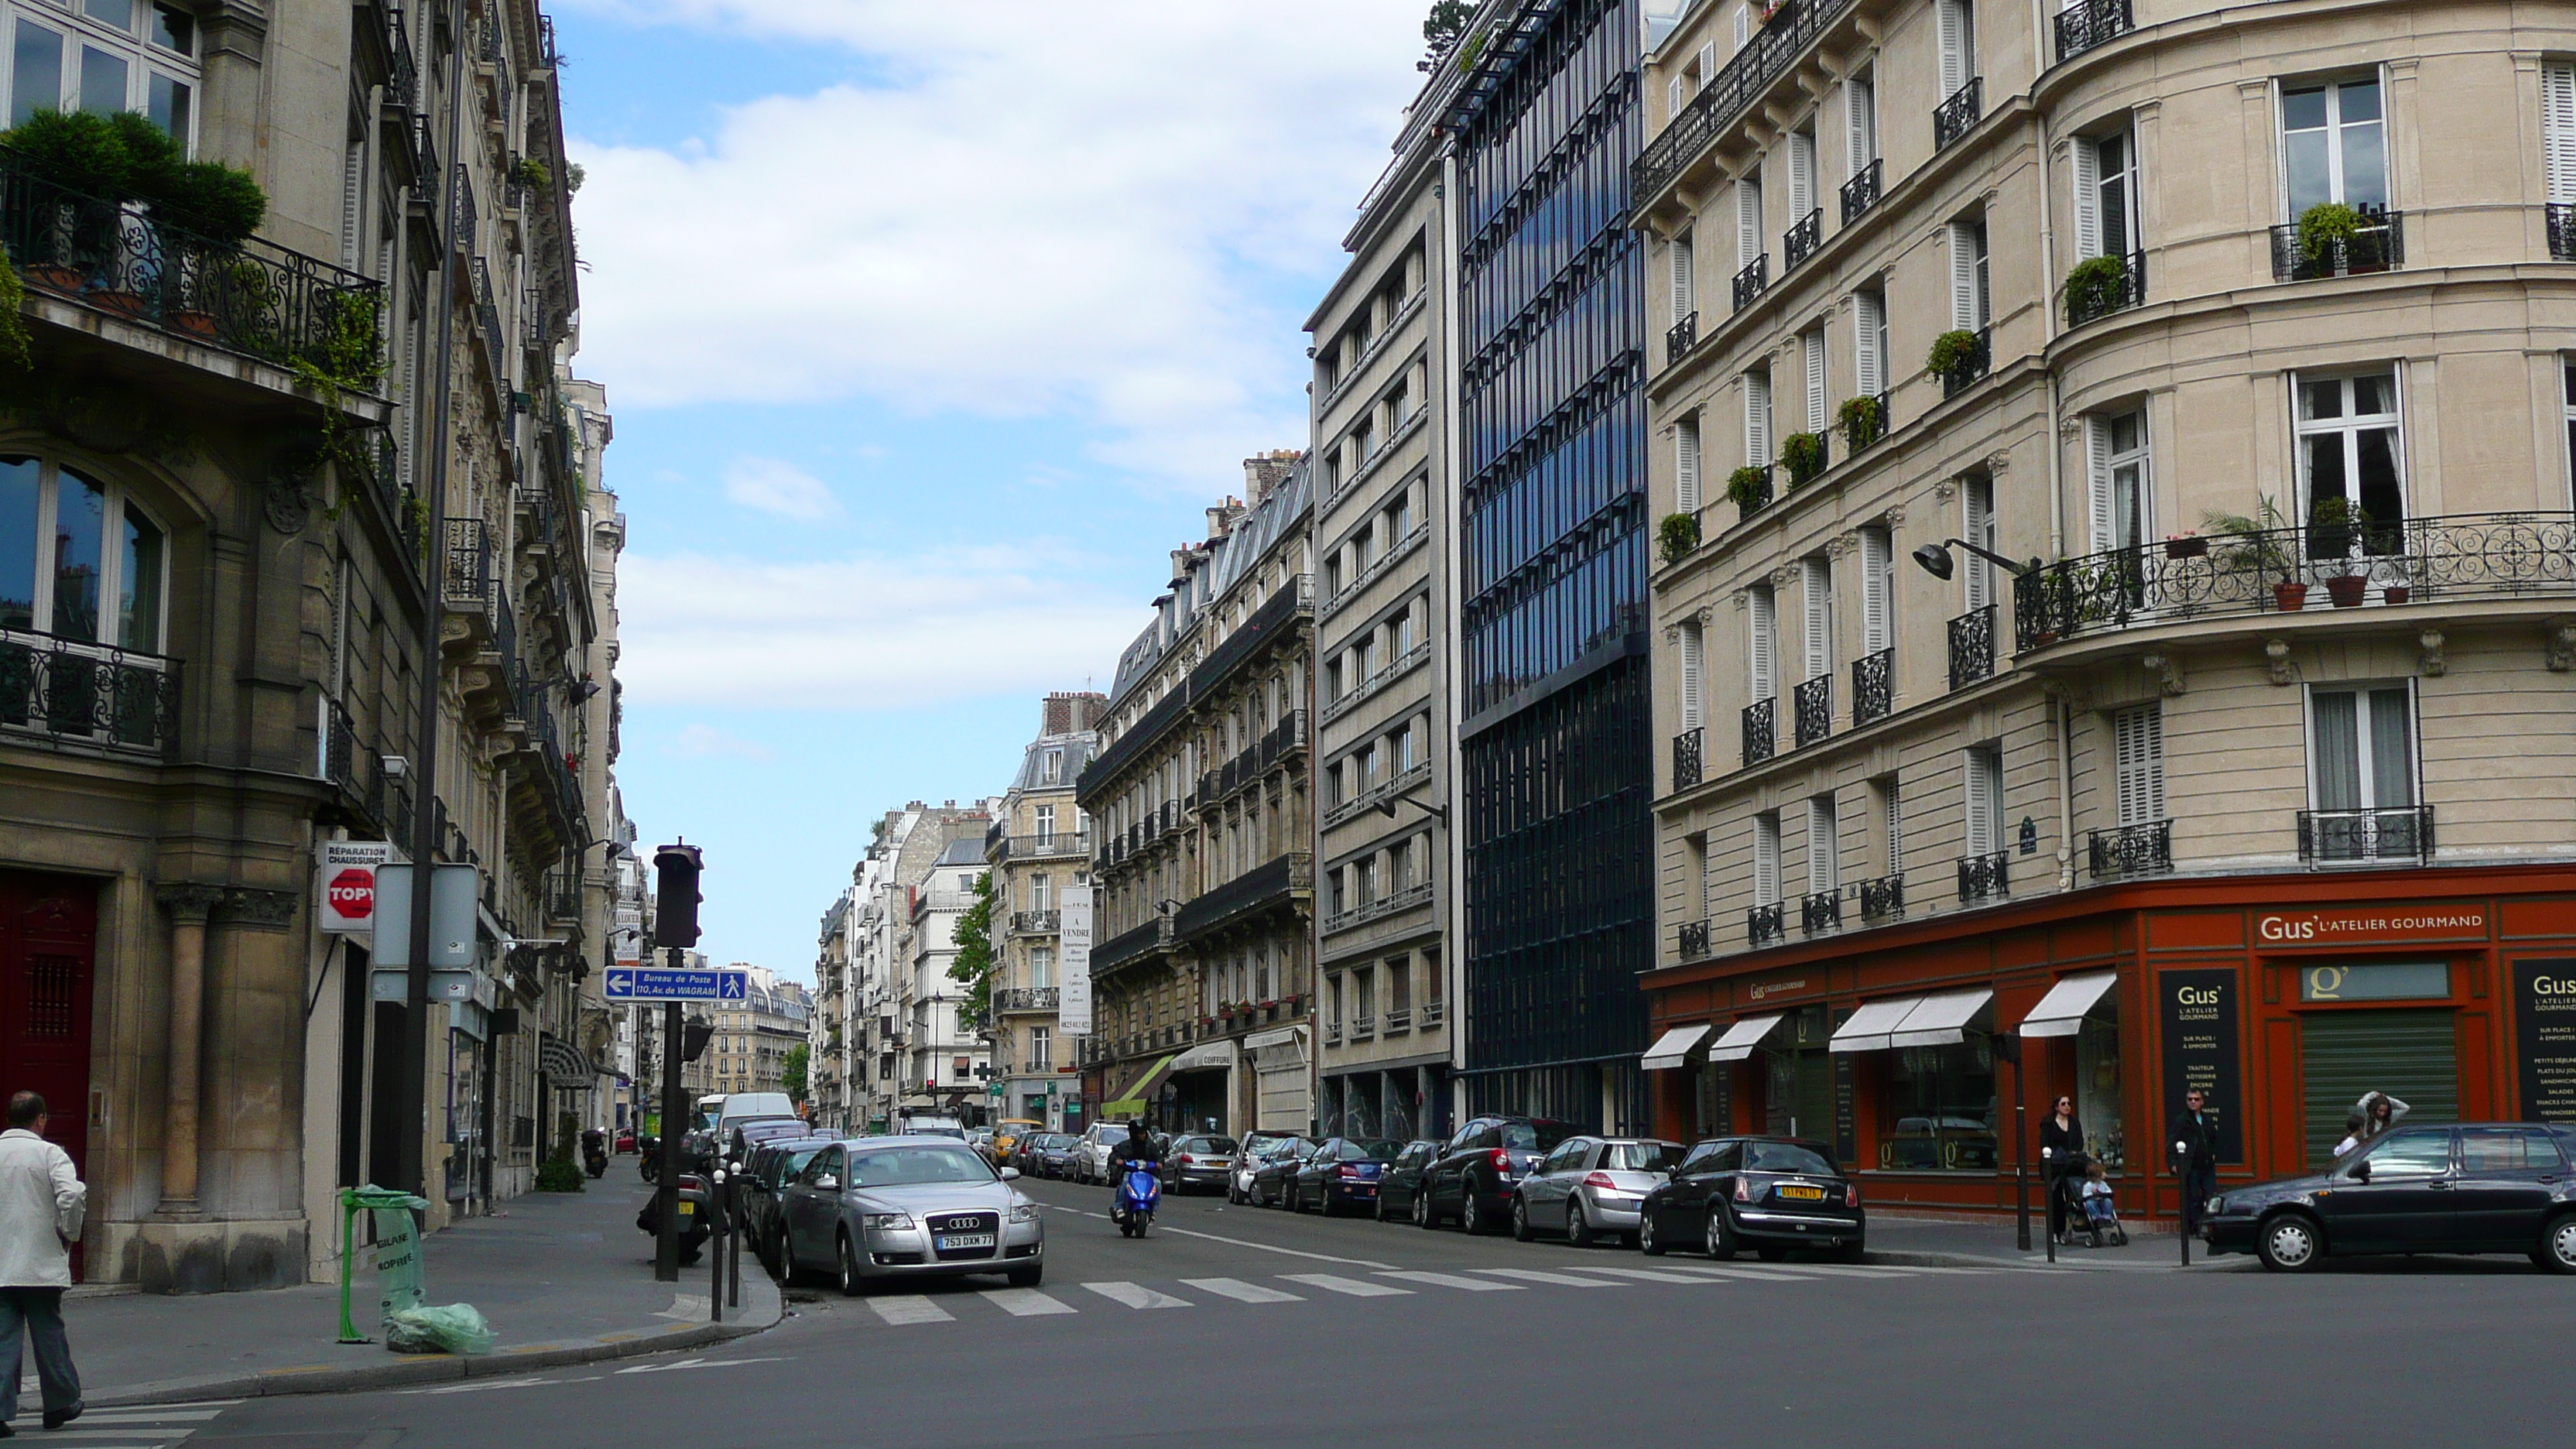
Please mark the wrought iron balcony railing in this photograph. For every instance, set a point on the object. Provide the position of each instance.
(1686, 757)
(1972, 647)
(2369, 564)
(1043, 847)
(1761, 731)
(1680, 337)
(1771, 51)
(2378, 246)
(1966, 371)
(1750, 281)
(2142, 849)
(1873, 686)
(1757, 497)
(1036, 923)
(1799, 242)
(1882, 899)
(2562, 231)
(1862, 191)
(1820, 911)
(1815, 701)
(1692, 942)
(1766, 924)
(2091, 297)
(1985, 877)
(2089, 23)
(1025, 998)
(2366, 837)
(1958, 115)
(1859, 431)
(69, 694)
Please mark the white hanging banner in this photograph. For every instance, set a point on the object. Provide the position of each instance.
(1073, 1000)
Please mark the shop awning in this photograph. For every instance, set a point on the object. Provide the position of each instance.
(1868, 1028)
(1674, 1047)
(1740, 1039)
(1131, 1103)
(1212, 1056)
(1282, 1037)
(2064, 1008)
(1940, 1020)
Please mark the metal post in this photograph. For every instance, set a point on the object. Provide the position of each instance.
(666, 1244)
(733, 1273)
(2021, 1169)
(716, 1268)
(2185, 1234)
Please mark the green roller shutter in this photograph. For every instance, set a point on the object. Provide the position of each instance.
(2411, 1055)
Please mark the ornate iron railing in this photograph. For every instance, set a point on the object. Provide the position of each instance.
(1036, 923)
(2130, 849)
(2379, 246)
(1680, 338)
(251, 296)
(2469, 555)
(1815, 709)
(1965, 373)
(1750, 281)
(426, 171)
(1693, 941)
(1985, 877)
(1686, 757)
(2562, 231)
(1958, 115)
(1972, 647)
(1800, 241)
(1858, 434)
(1862, 191)
(66, 692)
(1820, 911)
(2363, 837)
(1043, 847)
(2090, 23)
(1882, 899)
(1873, 686)
(466, 582)
(2094, 301)
(1792, 28)
(1765, 924)
(1756, 498)
(1761, 731)
(1026, 998)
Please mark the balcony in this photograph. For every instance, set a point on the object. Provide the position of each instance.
(2144, 849)
(1972, 647)
(1686, 753)
(1272, 621)
(2090, 23)
(1431, 1014)
(1820, 911)
(1761, 731)
(1392, 903)
(1128, 946)
(1025, 998)
(1043, 847)
(1800, 241)
(1958, 115)
(1882, 899)
(1399, 1020)
(2101, 286)
(2378, 246)
(1768, 55)
(2401, 833)
(2562, 231)
(1815, 709)
(1367, 688)
(2420, 560)
(1860, 428)
(1363, 1028)
(1036, 923)
(1755, 496)
(1863, 190)
(1985, 877)
(1379, 795)
(1680, 337)
(252, 297)
(1873, 687)
(1692, 941)
(76, 697)
(1964, 373)
(1749, 282)
(1272, 883)
(1766, 924)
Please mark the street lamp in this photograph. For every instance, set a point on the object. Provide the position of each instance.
(1936, 561)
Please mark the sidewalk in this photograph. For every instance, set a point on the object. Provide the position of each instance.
(562, 1278)
(1896, 1238)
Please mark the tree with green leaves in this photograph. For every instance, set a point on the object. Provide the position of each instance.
(797, 1056)
(974, 965)
(1447, 22)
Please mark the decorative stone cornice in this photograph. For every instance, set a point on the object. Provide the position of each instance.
(264, 910)
(189, 904)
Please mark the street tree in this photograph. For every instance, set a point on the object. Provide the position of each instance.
(973, 966)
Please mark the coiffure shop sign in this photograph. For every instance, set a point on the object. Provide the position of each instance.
(2371, 925)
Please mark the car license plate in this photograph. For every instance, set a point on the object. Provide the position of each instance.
(688, 1208)
(955, 1241)
(1803, 1194)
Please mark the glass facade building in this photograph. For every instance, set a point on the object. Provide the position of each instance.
(1555, 744)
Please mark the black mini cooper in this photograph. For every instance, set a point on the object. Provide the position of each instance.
(1770, 1194)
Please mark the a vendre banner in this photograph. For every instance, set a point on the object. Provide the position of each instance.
(344, 890)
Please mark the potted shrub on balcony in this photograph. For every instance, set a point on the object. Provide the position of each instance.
(1804, 454)
(1860, 421)
(2096, 287)
(1951, 351)
(1748, 487)
(2326, 231)
(2186, 545)
(1678, 536)
(2252, 545)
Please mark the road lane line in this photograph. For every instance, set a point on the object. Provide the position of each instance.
(1451, 1280)
(1658, 1275)
(1846, 1270)
(910, 1308)
(1026, 1302)
(1136, 1295)
(1353, 1286)
(1242, 1292)
(1747, 1275)
(1562, 1280)
(1274, 1248)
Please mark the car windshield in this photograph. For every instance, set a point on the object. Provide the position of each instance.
(1535, 1136)
(1643, 1157)
(789, 1164)
(1783, 1157)
(913, 1166)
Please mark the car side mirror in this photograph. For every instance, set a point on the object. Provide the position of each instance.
(2361, 1170)
(1010, 1174)
(827, 1183)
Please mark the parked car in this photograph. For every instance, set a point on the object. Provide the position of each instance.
(748, 1138)
(1201, 1161)
(882, 1208)
(1341, 1173)
(1770, 1194)
(625, 1139)
(1473, 1177)
(773, 1165)
(1277, 1169)
(1053, 1154)
(1091, 1151)
(1590, 1186)
(1399, 1186)
(2479, 1187)
(1008, 1134)
(1252, 1148)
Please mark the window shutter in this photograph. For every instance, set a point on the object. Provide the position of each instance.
(1819, 602)
(1802, 176)
(1686, 466)
(1815, 345)
(2097, 482)
(1672, 97)
(353, 181)
(1743, 24)
(1694, 683)
(1860, 111)
(1748, 218)
(1963, 274)
(1952, 31)
(1895, 828)
(1824, 870)
(1685, 282)
(1877, 585)
(1765, 645)
(1977, 503)
(2138, 751)
(1981, 805)
(2558, 117)
(1869, 323)
(1707, 63)
(1766, 859)
(2088, 199)
(1757, 419)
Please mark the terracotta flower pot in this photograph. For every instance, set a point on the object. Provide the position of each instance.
(2186, 548)
(2347, 590)
(125, 303)
(2396, 593)
(2290, 598)
(195, 324)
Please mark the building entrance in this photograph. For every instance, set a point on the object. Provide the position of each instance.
(48, 949)
(2411, 1054)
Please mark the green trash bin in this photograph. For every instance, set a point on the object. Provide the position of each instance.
(397, 1257)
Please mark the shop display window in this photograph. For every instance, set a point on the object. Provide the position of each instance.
(1937, 1109)
(2097, 1089)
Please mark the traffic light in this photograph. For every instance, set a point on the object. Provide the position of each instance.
(675, 894)
(694, 1036)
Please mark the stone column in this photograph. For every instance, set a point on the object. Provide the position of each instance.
(189, 906)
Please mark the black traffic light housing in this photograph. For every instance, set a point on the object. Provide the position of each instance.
(675, 894)
(694, 1036)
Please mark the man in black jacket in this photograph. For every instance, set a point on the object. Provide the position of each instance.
(2193, 1140)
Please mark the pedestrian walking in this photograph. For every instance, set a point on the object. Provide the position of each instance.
(2194, 1137)
(2061, 1147)
(41, 1199)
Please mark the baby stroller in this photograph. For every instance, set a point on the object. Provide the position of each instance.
(2096, 1217)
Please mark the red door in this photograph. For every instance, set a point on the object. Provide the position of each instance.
(48, 943)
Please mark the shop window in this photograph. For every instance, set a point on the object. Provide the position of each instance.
(1937, 1109)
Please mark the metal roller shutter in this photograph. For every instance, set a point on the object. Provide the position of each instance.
(2411, 1055)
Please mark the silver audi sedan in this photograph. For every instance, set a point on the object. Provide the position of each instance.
(878, 1208)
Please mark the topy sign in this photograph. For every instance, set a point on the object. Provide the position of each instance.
(658, 983)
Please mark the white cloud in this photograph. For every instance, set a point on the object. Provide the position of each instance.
(1023, 207)
(782, 488)
(707, 742)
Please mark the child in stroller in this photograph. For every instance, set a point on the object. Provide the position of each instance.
(2101, 1215)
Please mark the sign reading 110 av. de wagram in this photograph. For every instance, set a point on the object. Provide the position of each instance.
(655, 983)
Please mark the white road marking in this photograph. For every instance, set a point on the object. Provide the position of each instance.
(1746, 1275)
(1657, 1275)
(696, 1363)
(1352, 1286)
(1242, 1292)
(910, 1308)
(1452, 1280)
(142, 1416)
(1026, 1302)
(1136, 1295)
(1562, 1280)
(477, 1387)
(1848, 1270)
(1274, 1248)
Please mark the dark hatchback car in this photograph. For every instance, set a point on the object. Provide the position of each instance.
(1770, 1194)
(1399, 1187)
(1047, 1154)
(1278, 1169)
(1343, 1173)
(772, 1165)
(1473, 1178)
(2480, 1187)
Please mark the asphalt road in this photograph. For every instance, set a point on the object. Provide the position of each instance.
(1244, 1326)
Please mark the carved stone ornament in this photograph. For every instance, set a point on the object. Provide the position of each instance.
(287, 503)
(1945, 490)
(2167, 670)
(264, 910)
(2562, 645)
(2276, 653)
(188, 902)
(2435, 665)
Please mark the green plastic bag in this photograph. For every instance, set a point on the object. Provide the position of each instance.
(397, 1261)
(451, 1328)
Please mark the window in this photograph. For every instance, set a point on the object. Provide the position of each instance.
(1877, 590)
(1977, 526)
(1364, 994)
(1050, 772)
(1956, 22)
(2509, 1149)
(1869, 346)
(2116, 480)
(1333, 679)
(1802, 175)
(2558, 127)
(1969, 297)
(1041, 892)
(2349, 450)
(2410, 1153)
(1333, 1003)
(1818, 597)
(1685, 286)
(1694, 676)
(2106, 182)
(106, 55)
(1985, 799)
(77, 559)
(1401, 746)
(1766, 859)
(1824, 847)
(1748, 218)
(1813, 343)
(1399, 866)
(2567, 375)
(1046, 813)
(2333, 145)
(1891, 817)
(1686, 495)
(1757, 419)
(1860, 122)
(2138, 763)
(1337, 889)
(2361, 754)
(1763, 649)
(1041, 967)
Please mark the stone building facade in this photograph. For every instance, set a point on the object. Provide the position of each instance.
(1040, 846)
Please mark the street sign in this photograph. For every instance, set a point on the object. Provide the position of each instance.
(346, 872)
(657, 983)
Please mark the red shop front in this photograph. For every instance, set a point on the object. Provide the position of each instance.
(2284, 997)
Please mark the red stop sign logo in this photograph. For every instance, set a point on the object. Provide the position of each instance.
(353, 893)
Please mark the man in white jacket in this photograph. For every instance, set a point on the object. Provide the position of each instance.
(41, 1201)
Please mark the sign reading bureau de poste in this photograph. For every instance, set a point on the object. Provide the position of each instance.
(2370, 925)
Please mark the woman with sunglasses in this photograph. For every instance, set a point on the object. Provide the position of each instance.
(2061, 1156)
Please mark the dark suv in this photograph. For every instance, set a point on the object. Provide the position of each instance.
(1472, 1178)
(1770, 1194)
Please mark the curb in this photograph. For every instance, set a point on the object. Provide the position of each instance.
(2035, 1263)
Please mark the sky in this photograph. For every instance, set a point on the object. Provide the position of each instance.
(929, 328)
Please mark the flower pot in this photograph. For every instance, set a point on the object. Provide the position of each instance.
(2186, 548)
(2347, 590)
(195, 324)
(2042, 638)
(123, 303)
(2396, 593)
(2290, 598)
(56, 278)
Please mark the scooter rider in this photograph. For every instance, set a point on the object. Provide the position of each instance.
(1138, 1148)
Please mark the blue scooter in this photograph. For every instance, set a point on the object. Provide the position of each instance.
(1138, 1191)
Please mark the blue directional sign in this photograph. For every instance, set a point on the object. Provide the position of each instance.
(657, 983)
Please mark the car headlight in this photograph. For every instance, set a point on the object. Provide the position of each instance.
(1026, 1212)
(886, 1222)
(2217, 1205)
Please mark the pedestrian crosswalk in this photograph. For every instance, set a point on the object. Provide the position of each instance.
(907, 1309)
(156, 1427)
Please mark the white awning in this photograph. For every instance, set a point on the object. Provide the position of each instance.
(1868, 1028)
(1206, 1056)
(2067, 1003)
(1673, 1047)
(1743, 1037)
(1940, 1020)
(1281, 1037)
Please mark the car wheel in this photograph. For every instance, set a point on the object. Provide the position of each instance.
(1647, 1242)
(2290, 1243)
(1721, 1235)
(1520, 1220)
(852, 1285)
(2558, 1245)
(1578, 1228)
(1422, 1211)
(1028, 1277)
(1471, 1218)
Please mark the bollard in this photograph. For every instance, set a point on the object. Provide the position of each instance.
(716, 1251)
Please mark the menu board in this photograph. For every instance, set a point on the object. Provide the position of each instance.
(2544, 1014)
(1846, 1112)
(2199, 1018)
